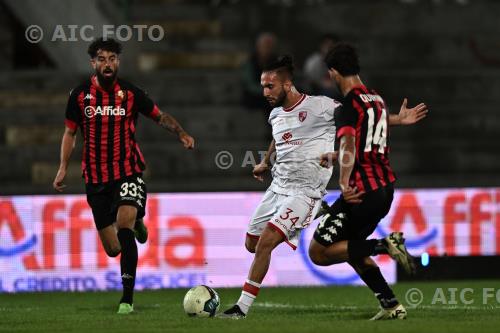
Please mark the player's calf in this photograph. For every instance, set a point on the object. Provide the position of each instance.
(268, 241)
(110, 241)
(128, 261)
(371, 275)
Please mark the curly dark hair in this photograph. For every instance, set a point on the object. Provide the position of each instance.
(108, 44)
(343, 57)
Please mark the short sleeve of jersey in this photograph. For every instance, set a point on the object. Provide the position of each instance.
(329, 105)
(272, 115)
(145, 105)
(345, 120)
(73, 113)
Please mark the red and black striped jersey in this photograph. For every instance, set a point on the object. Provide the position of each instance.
(364, 115)
(108, 121)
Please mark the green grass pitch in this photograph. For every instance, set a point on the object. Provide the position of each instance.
(326, 309)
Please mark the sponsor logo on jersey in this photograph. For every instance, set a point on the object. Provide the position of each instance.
(287, 136)
(109, 110)
(88, 96)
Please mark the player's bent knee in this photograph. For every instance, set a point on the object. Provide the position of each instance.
(317, 255)
(112, 251)
(250, 249)
(251, 244)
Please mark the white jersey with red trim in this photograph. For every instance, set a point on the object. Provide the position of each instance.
(302, 133)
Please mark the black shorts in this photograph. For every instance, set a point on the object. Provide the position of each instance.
(104, 199)
(347, 221)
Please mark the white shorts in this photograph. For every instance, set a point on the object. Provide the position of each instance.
(287, 214)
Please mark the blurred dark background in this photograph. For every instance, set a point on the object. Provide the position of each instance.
(445, 53)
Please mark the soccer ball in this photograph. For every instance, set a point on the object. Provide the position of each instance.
(201, 301)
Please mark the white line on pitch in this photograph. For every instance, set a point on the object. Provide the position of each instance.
(352, 307)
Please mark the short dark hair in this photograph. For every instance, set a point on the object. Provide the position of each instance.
(282, 65)
(108, 44)
(343, 57)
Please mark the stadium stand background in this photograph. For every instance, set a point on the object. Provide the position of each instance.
(445, 53)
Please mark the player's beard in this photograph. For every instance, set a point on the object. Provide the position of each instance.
(279, 100)
(106, 81)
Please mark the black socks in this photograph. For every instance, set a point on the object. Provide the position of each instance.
(128, 263)
(376, 282)
(358, 248)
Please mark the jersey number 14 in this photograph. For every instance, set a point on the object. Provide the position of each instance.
(378, 135)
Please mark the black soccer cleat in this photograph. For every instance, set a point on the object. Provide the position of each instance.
(232, 313)
(140, 231)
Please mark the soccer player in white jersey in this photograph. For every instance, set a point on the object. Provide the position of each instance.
(302, 129)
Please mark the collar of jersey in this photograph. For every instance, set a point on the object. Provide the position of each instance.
(296, 104)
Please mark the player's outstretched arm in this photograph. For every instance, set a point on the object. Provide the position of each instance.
(408, 116)
(263, 166)
(347, 158)
(169, 123)
(67, 146)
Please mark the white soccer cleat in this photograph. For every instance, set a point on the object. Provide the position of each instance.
(397, 312)
(395, 245)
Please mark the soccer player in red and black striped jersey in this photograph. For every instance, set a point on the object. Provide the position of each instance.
(106, 109)
(366, 182)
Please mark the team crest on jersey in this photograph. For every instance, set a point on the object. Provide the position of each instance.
(122, 94)
(302, 116)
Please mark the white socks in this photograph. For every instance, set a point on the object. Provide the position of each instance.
(248, 295)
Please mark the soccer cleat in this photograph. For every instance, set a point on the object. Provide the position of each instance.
(232, 313)
(140, 231)
(395, 245)
(397, 312)
(323, 209)
(125, 308)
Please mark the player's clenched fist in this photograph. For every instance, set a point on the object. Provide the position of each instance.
(259, 170)
(187, 140)
(327, 159)
(58, 181)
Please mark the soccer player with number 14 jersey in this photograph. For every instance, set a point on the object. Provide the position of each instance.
(367, 184)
